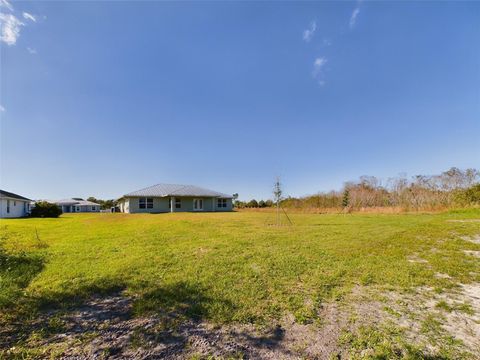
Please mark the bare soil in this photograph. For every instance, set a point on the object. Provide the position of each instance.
(105, 328)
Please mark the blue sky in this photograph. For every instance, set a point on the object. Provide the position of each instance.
(103, 98)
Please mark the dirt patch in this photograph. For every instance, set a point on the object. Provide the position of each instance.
(442, 276)
(416, 259)
(105, 327)
(431, 318)
(464, 221)
(474, 239)
(472, 253)
(464, 322)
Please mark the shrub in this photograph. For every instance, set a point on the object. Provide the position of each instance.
(45, 209)
(472, 194)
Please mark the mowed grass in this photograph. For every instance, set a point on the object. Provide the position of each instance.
(229, 267)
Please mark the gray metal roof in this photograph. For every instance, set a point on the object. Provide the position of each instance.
(6, 194)
(68, 202)
(161, 190)
(86, 202)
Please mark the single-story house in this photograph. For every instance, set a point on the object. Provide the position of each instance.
(13, 205)
(172, 198)
(76, 205)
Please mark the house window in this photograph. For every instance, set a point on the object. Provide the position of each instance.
(14, 203)
(93, 208)
(149, 203)
(8, 206)
(178, 203)
(78, 208)
(197, 204)
(145, 203)
(222, 203)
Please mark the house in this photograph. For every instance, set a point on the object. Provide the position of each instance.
(13, 205)
(174, 198)
(76, 205)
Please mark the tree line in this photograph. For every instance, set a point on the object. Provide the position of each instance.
(451, 188)
(254, 204)
(104, 204)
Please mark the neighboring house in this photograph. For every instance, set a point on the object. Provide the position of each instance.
(13, 205)
(76, 205)
(172, 198)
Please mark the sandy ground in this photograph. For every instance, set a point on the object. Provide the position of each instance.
(105, 328)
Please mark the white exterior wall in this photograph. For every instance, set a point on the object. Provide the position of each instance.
(124, 205)
(18, 208)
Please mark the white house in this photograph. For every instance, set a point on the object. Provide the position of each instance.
(76, 205)
(174, 198)
(13, 205)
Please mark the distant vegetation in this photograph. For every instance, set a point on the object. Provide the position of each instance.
(104, 204)
(452, 188)
(236, 268)
(254, 204)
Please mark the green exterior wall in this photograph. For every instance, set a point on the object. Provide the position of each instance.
(160, 205)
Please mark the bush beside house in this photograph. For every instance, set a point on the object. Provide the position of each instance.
(45, 209)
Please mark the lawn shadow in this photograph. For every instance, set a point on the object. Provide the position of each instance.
(188, 317)
(166, 321)
(186, 299)
(47, 314)
(73, 297)
(16, 272)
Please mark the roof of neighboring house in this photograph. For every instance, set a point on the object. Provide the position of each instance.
(86, 202)
(161, 190)
(6, 194)
(68, 202)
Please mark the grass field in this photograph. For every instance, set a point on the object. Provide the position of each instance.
(237, 268)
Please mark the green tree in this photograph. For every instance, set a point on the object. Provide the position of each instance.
(240, 204)
(235, 198)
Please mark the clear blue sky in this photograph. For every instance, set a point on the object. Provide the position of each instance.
(103, 98)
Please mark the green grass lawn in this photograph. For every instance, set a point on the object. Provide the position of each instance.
(229, 267)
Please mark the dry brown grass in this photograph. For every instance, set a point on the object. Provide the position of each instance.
(363, 210)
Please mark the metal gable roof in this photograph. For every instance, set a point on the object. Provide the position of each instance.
(69, 202)
(86, 202)
(6, 194)
(161, 190)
